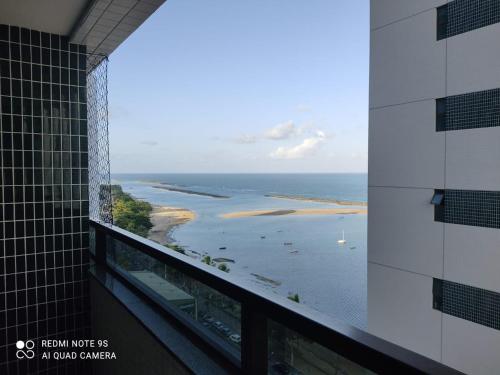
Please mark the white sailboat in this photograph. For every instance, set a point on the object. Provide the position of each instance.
(343, 240)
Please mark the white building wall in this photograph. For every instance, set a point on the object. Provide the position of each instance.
(408, 159)
(397, 219)
(407, 64)
(384, 12)
(400, 310)
(402, 130)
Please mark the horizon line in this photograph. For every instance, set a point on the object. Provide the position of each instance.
(249, 173)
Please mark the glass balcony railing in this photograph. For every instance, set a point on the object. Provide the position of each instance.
(212, 314)
(292, 353)
(249, 331)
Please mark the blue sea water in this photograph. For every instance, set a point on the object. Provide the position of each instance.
(327, 277)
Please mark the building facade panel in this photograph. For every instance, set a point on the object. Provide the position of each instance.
(405, 131)
(470, 347)
(404, 315)
(407, 63)
(402, 232)
(473, 159)
(473, 61)
(384, 12)
(472, 256)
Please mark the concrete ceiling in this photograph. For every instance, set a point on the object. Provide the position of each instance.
(102, 25)
(107, 23)
(51, 16)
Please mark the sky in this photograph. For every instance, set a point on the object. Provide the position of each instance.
(237, 86)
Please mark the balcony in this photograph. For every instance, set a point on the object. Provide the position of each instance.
(186, 317)
(158, 311)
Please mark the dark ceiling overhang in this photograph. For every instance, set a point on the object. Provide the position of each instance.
(102, 25)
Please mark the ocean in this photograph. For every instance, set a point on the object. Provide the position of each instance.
(328, 277)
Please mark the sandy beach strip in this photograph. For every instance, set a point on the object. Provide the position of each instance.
(302, 211)
(317, 200)
(165, 219)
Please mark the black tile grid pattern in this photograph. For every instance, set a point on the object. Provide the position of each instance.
(468, 111)
(461, 16)
(44, 196)
(470, 207)
(467, 302)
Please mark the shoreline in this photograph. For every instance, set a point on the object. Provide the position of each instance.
(165, 219)
(187, 191)
(317, 200)
(302, 212)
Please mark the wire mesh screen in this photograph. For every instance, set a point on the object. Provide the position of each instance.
(99, 172)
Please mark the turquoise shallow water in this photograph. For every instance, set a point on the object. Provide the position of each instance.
(328, 277)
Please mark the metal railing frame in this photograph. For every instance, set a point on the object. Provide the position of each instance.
(257, 307)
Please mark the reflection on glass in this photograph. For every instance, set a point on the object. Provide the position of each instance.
(92, 240)
(215, 314)
(293, 354)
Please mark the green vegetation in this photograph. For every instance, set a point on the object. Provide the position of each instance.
(294, 297)
(207, 259)
(223, 267)
(177, 248)
(129, 213)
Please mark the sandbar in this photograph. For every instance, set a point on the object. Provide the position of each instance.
(187, 191)
(302, 211)
(317, 200)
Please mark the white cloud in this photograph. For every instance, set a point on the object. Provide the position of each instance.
(246, 139)
(282, 131)
(308, 147)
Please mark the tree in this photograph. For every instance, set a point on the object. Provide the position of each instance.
(207, 260)
(129, 213)
(177, 248)
(223, 267)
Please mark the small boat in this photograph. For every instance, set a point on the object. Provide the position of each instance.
(262, 237)
(352, 247)
(343, 240)
(222, 248)
(294, 252)
(288, 243)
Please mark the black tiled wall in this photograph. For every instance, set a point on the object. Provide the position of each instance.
(467, 302)
(44, 196)
(468, 111)
(461, 16)
(470, 207)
